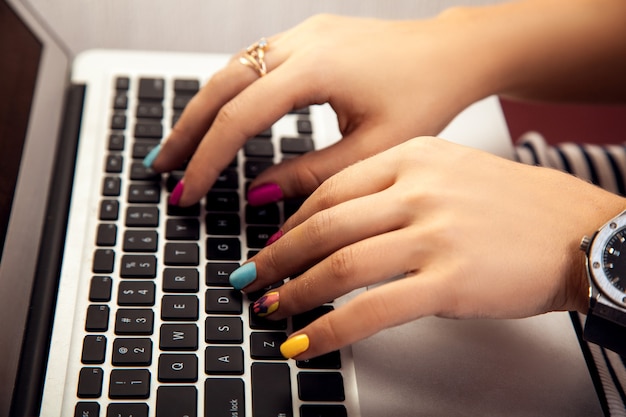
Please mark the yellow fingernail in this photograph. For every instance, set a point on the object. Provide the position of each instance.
(294, 346)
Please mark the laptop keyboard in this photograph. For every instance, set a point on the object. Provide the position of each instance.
(165, 334)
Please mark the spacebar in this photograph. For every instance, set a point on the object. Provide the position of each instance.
(271, 390)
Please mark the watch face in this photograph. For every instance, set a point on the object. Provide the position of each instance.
(607, 261)
(614, 260)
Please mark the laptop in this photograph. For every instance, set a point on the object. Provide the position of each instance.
(114, 304)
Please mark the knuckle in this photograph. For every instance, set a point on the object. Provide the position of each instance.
(342, 264)
(318, 228)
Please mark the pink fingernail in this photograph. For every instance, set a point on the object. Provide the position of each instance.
(264, 194)
(177, 193)
(274, 238)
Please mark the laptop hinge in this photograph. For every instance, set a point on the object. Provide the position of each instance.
(29, 384)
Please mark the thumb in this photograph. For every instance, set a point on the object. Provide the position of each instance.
(301, 176)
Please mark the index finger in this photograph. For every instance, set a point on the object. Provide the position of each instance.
(201, 111)
(253, 110)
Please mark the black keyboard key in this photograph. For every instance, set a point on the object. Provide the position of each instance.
(136, 293)
(149, 110)
(253, 167)
(118, 121)
(129, 384)
(134, 321)
(132, 352)
(217, 273)
(323, 410)
(222, 201)
(148, 129)
(180, 102)
(223, 224)
(292, 205)
(139, 216)
(223, 360)
(190, 211)
(228, 179)
(227, 330)
(331, 360)
(100, 289)
(223, 301)
(300, 321)
(138, 266)
(257, 236)
(109, 210)
(181, 280)
(225, 397)
(173, 179)
(116, 142)
(296, 145)
(138, 172)
(266, 345)
(187, 86)
(140, 241)
(112, 187)
(178, 337)
(106, 234)
(263, 323)
(176, 401)
(141, 148)
(151, 88)
(182, 254)
(97, 318)
(127, 410)
(223, 249)
(87, 409)
(122, 83)
(182, 229)
(177, 367)
(103, 261)
(94, 349)
(259, 148)
(114, 164)
(179, 308)
(90, 383)
(144, 193)
(304, 126)
(320, 386)
(264, 215)
(120, 101)
(271, 390)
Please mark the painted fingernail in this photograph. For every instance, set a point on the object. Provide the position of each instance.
(267, 304)
(149, 159)
(295, 346)
(242, 276)
(274, 238)
(177, 193)
(264, 194)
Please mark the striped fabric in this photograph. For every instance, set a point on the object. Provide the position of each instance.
(604, 166)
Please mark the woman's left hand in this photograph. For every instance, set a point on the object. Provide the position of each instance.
(470, 235)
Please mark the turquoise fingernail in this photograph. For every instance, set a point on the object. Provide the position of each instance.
(149, 159)
(243, 276)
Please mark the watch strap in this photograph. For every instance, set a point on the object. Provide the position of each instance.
(604, 332)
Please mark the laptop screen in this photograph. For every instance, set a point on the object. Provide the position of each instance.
(20, 54)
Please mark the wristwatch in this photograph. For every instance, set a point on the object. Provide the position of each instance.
(606, 269)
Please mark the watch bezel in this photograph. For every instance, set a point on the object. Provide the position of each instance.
(596, 260)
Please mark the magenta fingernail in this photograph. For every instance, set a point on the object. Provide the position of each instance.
(264, 194)
(177, 193)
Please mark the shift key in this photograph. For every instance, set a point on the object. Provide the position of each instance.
(271, 390)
